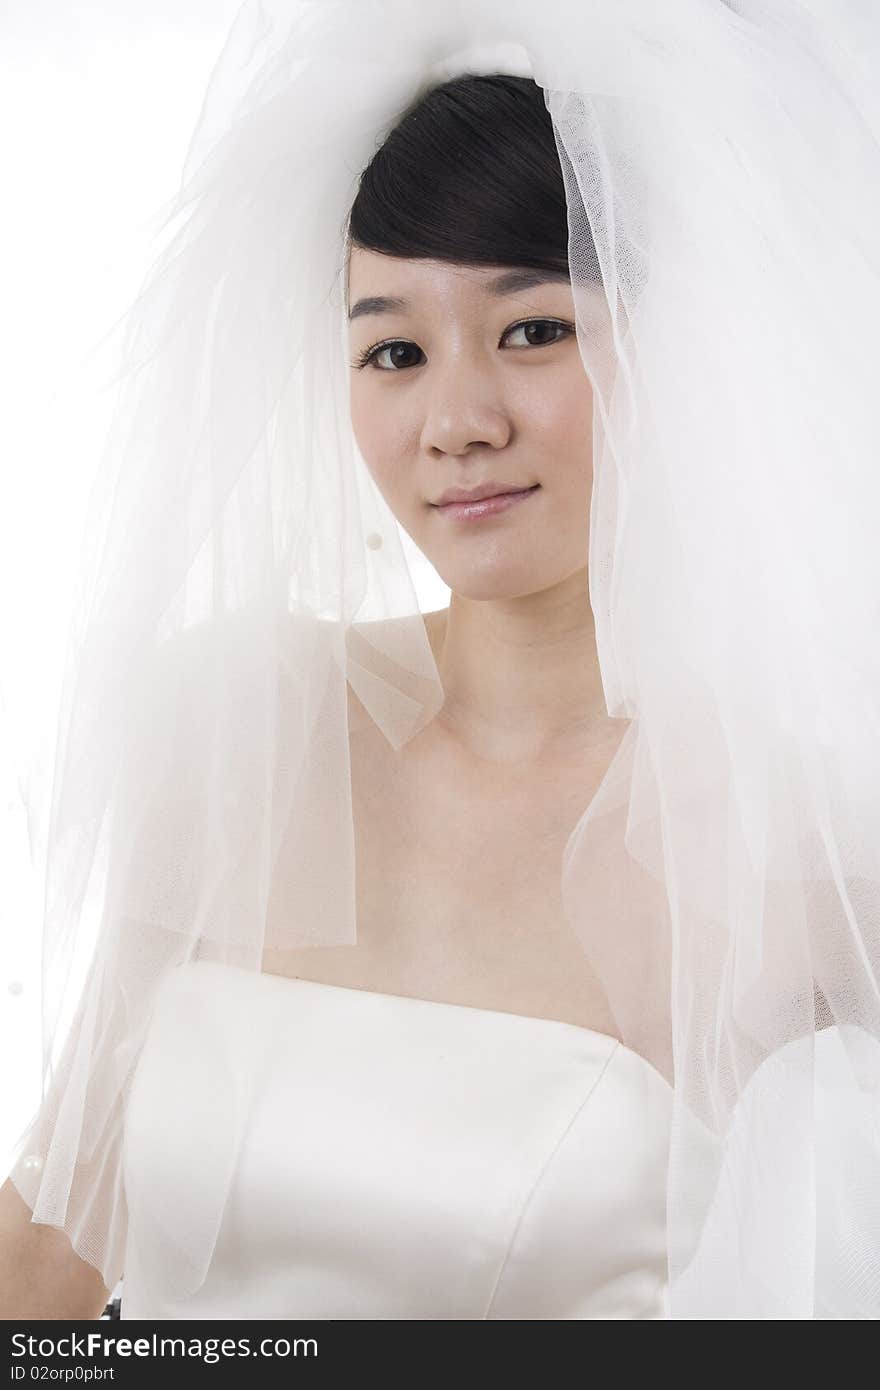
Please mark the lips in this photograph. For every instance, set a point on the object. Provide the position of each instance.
(480, 493)
(476, 508)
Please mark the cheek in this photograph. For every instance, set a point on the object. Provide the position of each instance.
(578, 427)
(374, 434)
(560, 414)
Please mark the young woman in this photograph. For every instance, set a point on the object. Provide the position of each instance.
(516, 958)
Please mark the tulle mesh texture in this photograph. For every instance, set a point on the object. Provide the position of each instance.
(245, 599)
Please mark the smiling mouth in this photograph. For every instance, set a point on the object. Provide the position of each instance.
(486, 506)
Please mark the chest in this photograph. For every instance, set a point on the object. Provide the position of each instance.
(461, 854)
(458, 873)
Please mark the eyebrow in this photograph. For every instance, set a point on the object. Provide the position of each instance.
(510, 282)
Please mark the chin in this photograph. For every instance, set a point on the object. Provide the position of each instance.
(487, 586)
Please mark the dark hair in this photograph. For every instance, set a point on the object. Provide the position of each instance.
(471, 175)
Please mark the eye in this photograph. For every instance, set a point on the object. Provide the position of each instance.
(559, 328)
(399, 348)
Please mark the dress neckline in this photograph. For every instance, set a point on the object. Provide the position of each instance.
(441, 1004)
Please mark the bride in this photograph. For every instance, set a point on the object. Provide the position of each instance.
(500, 960)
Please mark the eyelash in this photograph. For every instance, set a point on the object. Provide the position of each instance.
(370, 353)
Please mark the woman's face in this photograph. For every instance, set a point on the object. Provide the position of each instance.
(468, 377)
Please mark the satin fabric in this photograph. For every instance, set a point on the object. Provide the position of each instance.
(389, 1158)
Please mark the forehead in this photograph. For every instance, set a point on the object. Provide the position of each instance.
(392, 284)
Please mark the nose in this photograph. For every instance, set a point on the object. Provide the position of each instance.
(464, 410)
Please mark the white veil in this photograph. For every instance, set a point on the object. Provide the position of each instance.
(241, 572)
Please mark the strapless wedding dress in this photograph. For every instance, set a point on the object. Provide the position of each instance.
(386, 1157)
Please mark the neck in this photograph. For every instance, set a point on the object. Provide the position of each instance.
(521, 676)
